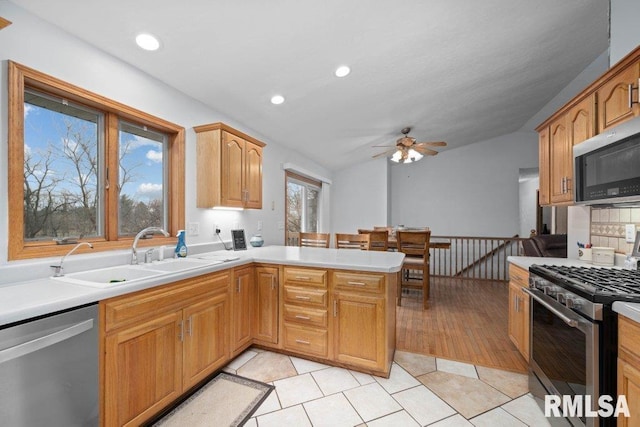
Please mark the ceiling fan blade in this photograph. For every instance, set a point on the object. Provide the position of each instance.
(425, 151)
(432, 144)
(382, 146)
(384, 153)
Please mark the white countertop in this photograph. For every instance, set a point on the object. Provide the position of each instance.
(22, 300)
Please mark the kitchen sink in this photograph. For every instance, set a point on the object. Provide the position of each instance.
(178, 264)
(110, 276)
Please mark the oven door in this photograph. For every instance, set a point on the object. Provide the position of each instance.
(564, 353)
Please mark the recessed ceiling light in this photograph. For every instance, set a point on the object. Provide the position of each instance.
(277, 99)
(147, 42)
(343, 71)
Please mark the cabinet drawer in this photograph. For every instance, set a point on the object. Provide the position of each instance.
(518, 276)
(358, 282)
(305, 316)
(306, 340)
(133, 307)
(305, 276)
(306, 296)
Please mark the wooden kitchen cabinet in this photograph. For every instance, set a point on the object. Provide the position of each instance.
(305, 308)
(614, 99)
(560, 157)
(160, 342)
(363, 308)
(544, 166)
(581, 121)
(519, 328)
(629, 369)
(266, 313)
(229, 168)
(241, 309)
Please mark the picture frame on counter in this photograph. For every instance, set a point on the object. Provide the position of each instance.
(239, 240)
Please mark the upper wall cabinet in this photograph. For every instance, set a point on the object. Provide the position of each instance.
(616, 100)
(609, 101)
(229, 165)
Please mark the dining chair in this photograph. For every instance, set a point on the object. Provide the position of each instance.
(415, 246)
(352, 241)
(314, 240)
(378, 239)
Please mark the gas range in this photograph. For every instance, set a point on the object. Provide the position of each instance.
(597, 284)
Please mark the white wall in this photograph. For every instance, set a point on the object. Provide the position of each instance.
(360, 196)
(468, 191)
(624, 33)
(46, 48)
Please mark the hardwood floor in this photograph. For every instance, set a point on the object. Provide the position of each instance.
(466, 321)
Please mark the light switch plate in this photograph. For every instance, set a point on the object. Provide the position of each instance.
(193, 228)
(630, 233)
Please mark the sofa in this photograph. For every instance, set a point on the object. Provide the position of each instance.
(546, 245)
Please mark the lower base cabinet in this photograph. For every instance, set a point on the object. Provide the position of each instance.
(629, 369)
(160, 343)
(519, 310)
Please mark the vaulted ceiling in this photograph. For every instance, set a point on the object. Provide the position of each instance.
(454, 70)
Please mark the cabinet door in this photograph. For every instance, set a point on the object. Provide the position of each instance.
(143, 369)
(241, 307)
(544, 166)
(253, 176)
(232, 170)
(629, 386)
(516, 321)
(359, 334)
(561, 154)
(206, 338)
(581, 121)
(613, 99)
(265, 325)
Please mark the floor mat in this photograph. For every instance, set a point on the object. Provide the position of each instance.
(226, 400)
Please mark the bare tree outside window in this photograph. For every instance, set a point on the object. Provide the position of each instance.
(302, 206)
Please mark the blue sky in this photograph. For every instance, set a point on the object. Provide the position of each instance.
(44, 128)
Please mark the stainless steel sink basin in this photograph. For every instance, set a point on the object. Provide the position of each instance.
(110, 276)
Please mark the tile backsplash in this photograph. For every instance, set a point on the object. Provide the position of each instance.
(608, 227)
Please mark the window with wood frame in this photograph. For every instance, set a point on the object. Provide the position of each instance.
(82, 166)
(302, 208)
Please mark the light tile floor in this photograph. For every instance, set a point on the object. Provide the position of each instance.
(421, 391)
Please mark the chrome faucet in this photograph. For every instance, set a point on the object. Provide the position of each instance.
(147, 232)
(57, 269)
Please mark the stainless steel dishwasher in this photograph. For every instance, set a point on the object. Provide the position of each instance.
(49, 370)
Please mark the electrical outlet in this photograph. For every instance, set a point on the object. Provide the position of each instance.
(193, 228)
(630, 233)
(216, 229)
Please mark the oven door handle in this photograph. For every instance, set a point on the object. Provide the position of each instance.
(571, 322)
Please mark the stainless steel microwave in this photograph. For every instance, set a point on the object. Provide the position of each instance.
(607, 166)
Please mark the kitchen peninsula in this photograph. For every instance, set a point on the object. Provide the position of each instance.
(335, 306)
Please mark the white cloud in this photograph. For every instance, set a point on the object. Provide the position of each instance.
(154, 156)
(27, 150)
(147, 187)
(27, 109)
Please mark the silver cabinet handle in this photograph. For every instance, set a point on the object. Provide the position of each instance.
(335, 308)
(45, 341)
(303, 342)
(189, 326)
(238, 285)
(302, 297)
(356, 283)
(273, 281)
(303, 278)
(298, 316)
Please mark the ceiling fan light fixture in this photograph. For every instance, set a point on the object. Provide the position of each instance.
(413, 156)
(397, 156)
(342, 71)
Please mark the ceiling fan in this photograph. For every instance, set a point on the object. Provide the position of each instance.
(407, 150)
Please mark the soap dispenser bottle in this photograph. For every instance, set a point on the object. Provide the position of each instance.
(181, 247)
